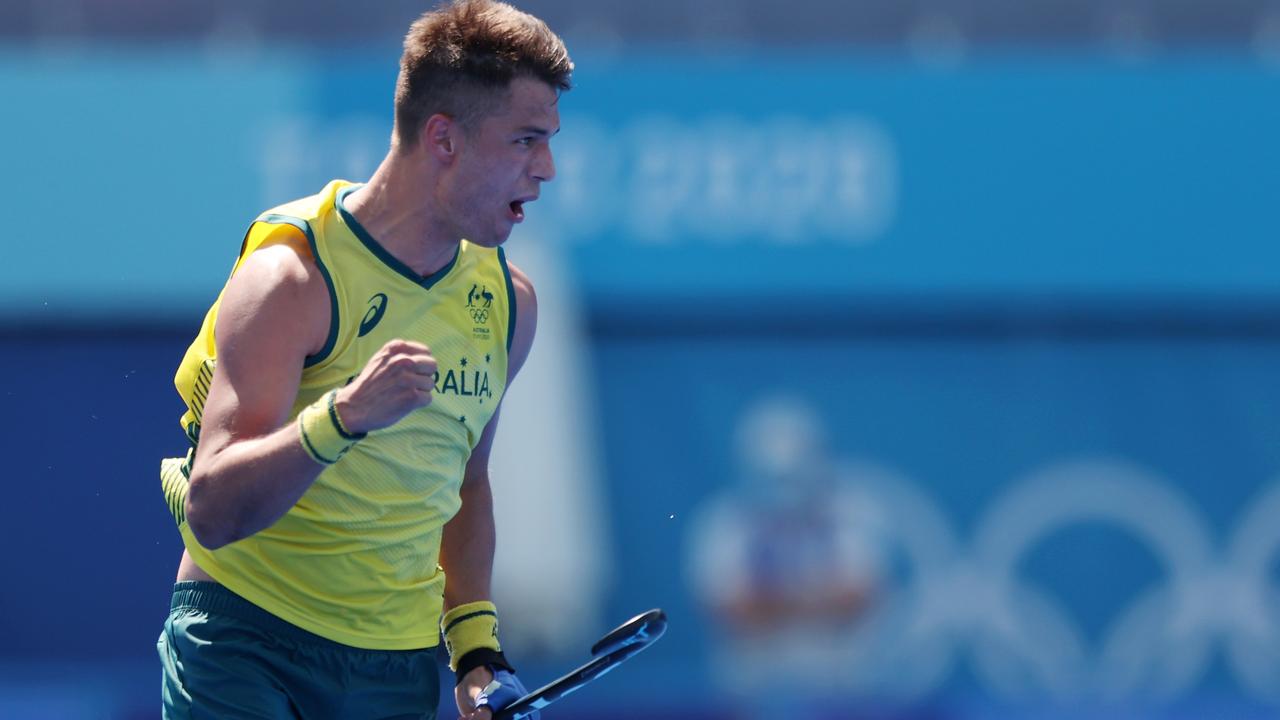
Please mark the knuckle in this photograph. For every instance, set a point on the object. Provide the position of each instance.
(396, 347)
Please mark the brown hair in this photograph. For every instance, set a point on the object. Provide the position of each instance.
(461, 57)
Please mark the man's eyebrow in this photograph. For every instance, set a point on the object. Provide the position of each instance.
(540, 132)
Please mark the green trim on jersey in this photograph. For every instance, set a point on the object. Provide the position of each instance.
(305, 227)
(511, 298)
(381, 253)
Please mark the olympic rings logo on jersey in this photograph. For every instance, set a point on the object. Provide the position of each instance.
(479, 300)
(1021, 643)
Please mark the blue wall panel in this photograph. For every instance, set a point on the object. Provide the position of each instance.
(680, 175)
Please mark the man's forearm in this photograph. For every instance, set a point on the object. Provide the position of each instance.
(467, 545)
(248, 486)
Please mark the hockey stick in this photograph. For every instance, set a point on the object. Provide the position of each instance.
(626, 640)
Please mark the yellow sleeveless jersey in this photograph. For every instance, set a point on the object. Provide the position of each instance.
(356, 560)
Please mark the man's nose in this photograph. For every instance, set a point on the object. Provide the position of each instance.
(544, 167)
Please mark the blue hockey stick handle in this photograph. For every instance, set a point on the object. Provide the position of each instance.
(611, 651)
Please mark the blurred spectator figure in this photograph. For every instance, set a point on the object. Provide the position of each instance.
(786, 564)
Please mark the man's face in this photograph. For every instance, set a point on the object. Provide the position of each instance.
(503, 163)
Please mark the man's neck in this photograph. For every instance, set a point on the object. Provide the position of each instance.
(398, 211)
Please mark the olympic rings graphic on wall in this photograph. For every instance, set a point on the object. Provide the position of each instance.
(1022, 643)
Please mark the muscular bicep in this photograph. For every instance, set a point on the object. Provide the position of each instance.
(274, 312)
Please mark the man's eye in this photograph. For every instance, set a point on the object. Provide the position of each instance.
(525, 141)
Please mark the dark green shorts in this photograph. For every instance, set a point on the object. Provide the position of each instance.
(224, 657)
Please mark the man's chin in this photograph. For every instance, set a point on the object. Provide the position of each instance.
(492, 241)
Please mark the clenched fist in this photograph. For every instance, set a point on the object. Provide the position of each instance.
(398, 379)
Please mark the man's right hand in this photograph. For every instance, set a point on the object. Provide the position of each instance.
(398, 379)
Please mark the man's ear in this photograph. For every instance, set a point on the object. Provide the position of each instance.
(440, 137)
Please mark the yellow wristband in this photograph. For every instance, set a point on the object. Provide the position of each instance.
(323, 435)
(470, 627)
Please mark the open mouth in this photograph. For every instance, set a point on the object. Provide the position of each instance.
(517, 210)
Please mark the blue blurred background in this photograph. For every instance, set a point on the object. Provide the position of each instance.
(919, 358)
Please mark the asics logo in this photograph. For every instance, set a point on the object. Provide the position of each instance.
(377, 306)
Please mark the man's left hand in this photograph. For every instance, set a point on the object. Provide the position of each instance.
(484, 690)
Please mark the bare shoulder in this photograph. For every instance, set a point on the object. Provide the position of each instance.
(526, 318)
(281, 266)
(273, 314)
(279, 291)
(523, 286)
